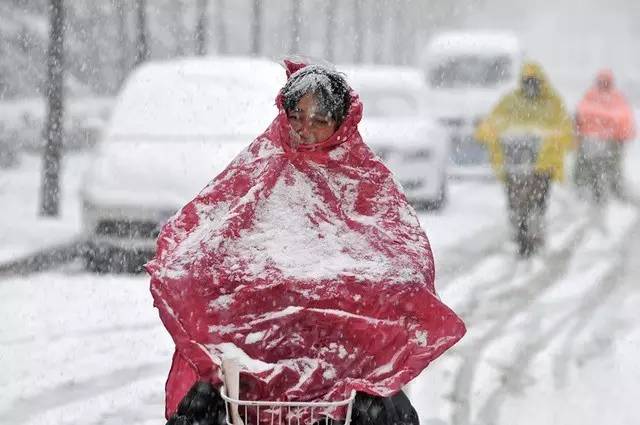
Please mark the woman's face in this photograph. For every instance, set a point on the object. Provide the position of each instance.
(309, 122)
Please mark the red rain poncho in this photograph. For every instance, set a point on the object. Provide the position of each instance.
(307, 265)
(605, 113)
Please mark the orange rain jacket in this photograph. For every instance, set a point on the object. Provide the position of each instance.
(604, 113)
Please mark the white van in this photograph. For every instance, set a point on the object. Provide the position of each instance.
(175, 125)
(467, 73)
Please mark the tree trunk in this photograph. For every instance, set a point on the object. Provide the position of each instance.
(202, 27)
(398, 40)
(256, 28)
(294, 45)
(95, 26)
(411, 32)
(358, 41)
(50, 187)
(177, 16)
(142, 48)
(378, 33)
(221, 27)
(329, 30)
(123, 40)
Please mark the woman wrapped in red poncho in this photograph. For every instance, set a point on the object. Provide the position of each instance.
(303, 261)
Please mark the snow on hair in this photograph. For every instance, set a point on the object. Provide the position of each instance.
(328, 86)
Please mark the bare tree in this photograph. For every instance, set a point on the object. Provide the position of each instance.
(329, 30)
(202, 27)
(398, 32)
(378, 32)
(358, 27)
(53, 133)
(96, 27)
(177, 10)
(294, 46)
(123, 38)
(412, 33)
(142, 46)
(256, 28)
(220, 27)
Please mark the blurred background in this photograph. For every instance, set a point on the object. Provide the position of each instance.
(572, 38)
(89, 87)
(105, 40)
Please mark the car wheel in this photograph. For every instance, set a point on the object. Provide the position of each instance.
(96, 260)
(438, 203)
(443, 197)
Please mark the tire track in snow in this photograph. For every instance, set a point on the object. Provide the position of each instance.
(534, 286)
(498, 292)
(594, 304)
(459, 259)
(25, 408)
(463, 256)
(96, 332)
(483, 292)
(514, 375)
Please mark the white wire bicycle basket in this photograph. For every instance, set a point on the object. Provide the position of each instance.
(263, 412)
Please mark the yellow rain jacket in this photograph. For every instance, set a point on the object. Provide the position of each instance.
(545, 113)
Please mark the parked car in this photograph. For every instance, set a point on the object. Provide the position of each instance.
(467, 73)
(174, 126)
(397, 126)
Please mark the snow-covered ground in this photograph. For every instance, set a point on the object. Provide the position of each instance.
(554, 340)
(551, 340)
(23, 231)
(79, 348)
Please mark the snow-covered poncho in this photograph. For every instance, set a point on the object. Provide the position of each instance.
(308, 266)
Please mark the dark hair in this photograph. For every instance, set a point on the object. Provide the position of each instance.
(329, 87)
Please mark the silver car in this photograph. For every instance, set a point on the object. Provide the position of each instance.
(397, 126)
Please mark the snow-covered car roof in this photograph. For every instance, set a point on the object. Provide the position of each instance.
(394, 99)
(401, 78)
(388, 91)
(176, 124)
(452, 43)
(198, 97)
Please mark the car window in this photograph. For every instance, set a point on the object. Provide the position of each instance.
(470, 71)
(389, 103)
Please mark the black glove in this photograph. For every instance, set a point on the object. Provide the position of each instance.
(202, 405)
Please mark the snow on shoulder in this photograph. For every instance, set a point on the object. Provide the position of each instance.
(308, 265)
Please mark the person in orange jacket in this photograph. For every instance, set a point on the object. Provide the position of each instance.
(603, 116)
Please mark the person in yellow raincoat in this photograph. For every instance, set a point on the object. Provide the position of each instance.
(527, 136)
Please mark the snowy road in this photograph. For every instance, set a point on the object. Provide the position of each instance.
(536, 327)
(550, 340)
